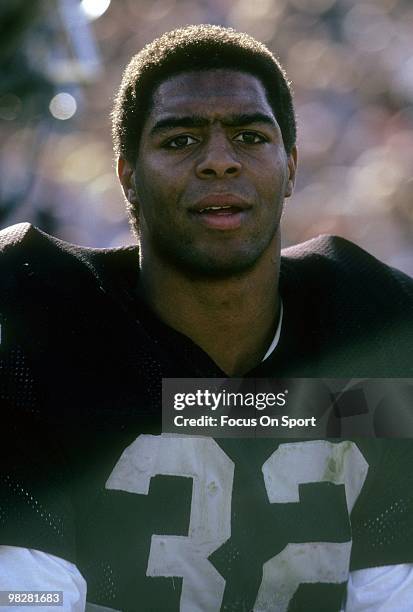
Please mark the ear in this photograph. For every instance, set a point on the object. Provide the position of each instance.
(292, 169)
(126, 176)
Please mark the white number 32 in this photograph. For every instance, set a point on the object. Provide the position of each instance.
(212, 472)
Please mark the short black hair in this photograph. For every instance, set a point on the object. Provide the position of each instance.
(196, 47)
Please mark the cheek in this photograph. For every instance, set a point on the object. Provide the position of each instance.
(160, 179)
(147, 192)
(269, 174)
(272, 188)
(157, 201)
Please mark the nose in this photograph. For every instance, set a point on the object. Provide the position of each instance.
(218, 160)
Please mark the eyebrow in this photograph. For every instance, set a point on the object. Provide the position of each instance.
(191, 121)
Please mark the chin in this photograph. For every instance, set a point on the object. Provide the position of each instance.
(213, 266)
(234, 258)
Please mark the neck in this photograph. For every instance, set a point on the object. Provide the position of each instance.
(232, 319)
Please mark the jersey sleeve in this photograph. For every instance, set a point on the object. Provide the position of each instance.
(382, 519)
(24, 569)
(387, 589)
(35, 500)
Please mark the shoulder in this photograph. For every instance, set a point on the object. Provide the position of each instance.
(28, 252)
(46, 282)
(353, 306)
(54, 298)
(334, 262)
(14, 235)
(338, 254)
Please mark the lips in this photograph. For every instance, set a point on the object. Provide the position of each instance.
(223, 211)
(219, 210)
(220, 202)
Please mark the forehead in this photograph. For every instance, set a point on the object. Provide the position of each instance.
(210, 93)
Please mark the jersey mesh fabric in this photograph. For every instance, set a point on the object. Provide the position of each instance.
(80, 379)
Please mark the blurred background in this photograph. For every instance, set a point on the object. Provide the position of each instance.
(351, 64)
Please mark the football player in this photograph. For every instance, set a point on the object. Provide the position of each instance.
(95, 501)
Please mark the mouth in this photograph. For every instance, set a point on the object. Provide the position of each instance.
(221, 211)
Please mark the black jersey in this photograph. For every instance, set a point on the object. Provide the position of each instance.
(158, 522)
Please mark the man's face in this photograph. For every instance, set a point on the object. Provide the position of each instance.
(211, 174)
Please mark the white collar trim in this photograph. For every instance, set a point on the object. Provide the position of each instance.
(276, 338)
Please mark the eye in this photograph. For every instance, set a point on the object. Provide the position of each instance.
(250, 138)
(181, 142)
